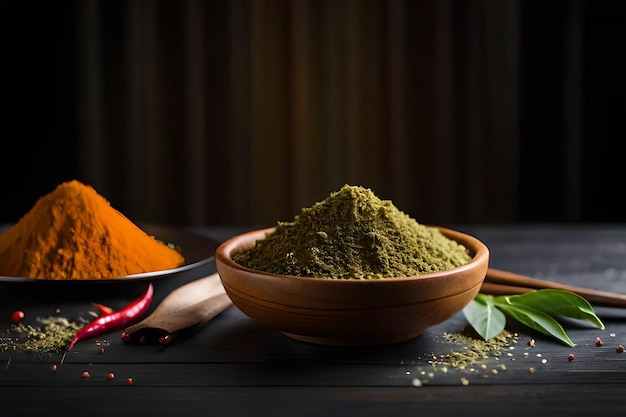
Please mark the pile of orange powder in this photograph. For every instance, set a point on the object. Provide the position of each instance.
(73, 233)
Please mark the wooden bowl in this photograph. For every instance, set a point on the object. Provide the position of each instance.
(351, 312)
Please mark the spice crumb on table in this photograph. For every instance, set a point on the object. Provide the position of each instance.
(48, 334)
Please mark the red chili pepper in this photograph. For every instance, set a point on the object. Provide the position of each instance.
(115, 321)
(103, 309)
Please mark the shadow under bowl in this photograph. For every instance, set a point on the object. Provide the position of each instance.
(351, 312)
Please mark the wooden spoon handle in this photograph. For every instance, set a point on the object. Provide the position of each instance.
(192, 315)
(191, 304)
(498, 282)
(190, 293)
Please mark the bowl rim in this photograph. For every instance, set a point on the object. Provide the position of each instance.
(480, 255)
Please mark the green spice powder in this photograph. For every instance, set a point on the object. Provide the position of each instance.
(353, 234)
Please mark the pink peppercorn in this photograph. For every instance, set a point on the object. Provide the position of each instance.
(17, 316)
(570, 357)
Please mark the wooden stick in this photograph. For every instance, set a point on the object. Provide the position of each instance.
(498, 282)
(492, 288)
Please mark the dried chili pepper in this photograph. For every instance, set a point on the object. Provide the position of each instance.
(116, 320)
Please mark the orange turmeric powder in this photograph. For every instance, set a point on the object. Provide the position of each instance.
(73, 233)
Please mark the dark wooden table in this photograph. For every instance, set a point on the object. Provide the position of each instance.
(233, 366)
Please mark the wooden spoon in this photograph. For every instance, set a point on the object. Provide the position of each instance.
(184, 308)
(499, 282)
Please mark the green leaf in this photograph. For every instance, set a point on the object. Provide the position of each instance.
(484, 317)
(535, 309)
(555, 303)
(536, 319)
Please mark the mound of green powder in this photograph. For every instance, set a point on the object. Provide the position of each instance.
(353, 234)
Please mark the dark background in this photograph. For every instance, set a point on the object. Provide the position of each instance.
(198, 113)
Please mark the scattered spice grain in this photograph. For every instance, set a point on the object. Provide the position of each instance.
(129, 381)
(416, 382)
(620, 349)
(570, 357)
(474, 350)
(598, 341)
(110, 376)
(86, 374)
(48, 334)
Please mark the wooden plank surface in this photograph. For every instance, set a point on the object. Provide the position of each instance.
(235, 366)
